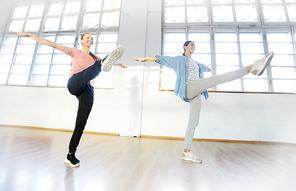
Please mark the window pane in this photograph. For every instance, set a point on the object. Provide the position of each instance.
(108, 38)
(274, 13)
(197, 14)
(16, 25)
(110, 19)
(18, 79)
(222, 14)
(25, 49)
(227, 59)
(271, 1)
(221, 1)
(188, 2)
(58, 81)
(49, 37)
(281, 48)
(10, 39)
(282, 60)
(21, 69)
(174, 2)
(249, 59)
(174, 37)
(26, 40)
(105, 47)
(23, 59)
(93, 5)
(69, 23)
(226, 48)
(284, 86)
(55, 9)
(52, 24)
(3, 79)
(20, 11)
(175, 15)
(202, 58)
(4, 69)
(202, 48)
(36, 10)
(41, 69)
(61, 59)
(173, 48)
(247, 48)
(39, 80)
(199, 36)
(5, 59)
(66, 39)
(91, 20)
(45, 49)
(43, 59)
(226, 69)
(292, 12)
(250, 37)
(244, 1)
(246, 13)
(60, 69)
(112, 4)
(278, 37)
(72, 7)
(255, 85)
(32, 25)
(280, 72)
(7, 49)
(224, 37)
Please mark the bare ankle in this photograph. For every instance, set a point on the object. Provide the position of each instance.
(186, 150)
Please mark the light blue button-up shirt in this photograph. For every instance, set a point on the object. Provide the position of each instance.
(180, 65)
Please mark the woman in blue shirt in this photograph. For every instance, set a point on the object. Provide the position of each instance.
(191, 84)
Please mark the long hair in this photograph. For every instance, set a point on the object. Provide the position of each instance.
(90, 53)
(186, 44)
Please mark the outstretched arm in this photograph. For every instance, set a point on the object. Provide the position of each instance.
(121, 65)
(146, 59)
(64, 49)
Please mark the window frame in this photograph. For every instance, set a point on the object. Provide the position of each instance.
(42, 32)
(262, 26)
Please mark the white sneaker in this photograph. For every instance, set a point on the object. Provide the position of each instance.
(191, 157)
(114, 55)
(260, 65)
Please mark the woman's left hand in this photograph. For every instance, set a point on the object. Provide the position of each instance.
(121, 65)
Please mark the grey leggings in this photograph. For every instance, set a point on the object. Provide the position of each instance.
(193, 94)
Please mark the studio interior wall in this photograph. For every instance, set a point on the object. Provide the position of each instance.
(135, 106)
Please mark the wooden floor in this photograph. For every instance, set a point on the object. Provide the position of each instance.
(33, 159)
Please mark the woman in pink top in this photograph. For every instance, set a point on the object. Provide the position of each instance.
(86, 66)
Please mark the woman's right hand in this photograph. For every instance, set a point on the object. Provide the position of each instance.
(141, 59)
(23, 34)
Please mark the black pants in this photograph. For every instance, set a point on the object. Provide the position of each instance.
(79, 86)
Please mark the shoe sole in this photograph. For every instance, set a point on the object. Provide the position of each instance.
(191, 160)
(269, 58)
(114, 55)
(69, 163)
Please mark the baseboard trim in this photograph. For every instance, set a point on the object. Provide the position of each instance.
(152, 136)
(217, 140)
(54, 129)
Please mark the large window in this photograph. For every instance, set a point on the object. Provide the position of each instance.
(25, 62)
(231, 34)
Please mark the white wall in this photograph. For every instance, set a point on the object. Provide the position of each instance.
(135, 106)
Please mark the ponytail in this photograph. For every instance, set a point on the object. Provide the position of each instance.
(94, 56)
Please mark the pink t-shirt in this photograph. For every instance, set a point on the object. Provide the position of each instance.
(81, 61)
